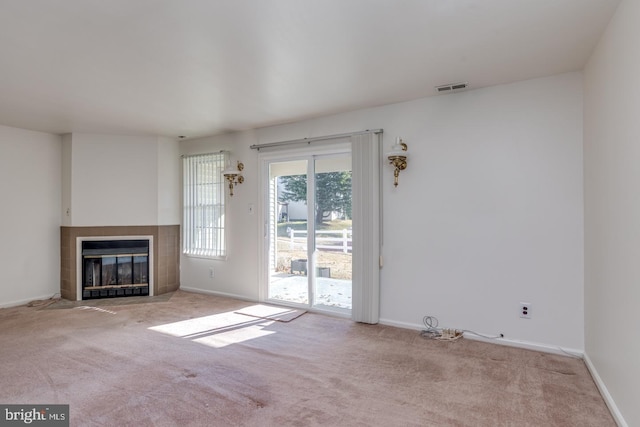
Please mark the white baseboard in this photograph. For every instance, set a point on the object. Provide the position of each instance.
(404, 325)
(611, 404)
(216, 293)
(569, 352)
(25, 301)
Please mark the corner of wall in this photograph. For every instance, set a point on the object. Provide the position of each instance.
(604, 392)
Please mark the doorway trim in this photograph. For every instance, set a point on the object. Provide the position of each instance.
(365, 150)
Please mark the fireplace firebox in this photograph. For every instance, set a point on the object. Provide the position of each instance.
(115, 268)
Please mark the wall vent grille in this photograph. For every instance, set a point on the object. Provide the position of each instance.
(452, 87)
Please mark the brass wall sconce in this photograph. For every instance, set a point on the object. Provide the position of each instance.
(398, 158)
(234, 176)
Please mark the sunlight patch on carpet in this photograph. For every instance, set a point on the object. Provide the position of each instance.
(217, 330)
(281, 314)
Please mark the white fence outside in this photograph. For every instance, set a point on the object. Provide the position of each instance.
(333, 240)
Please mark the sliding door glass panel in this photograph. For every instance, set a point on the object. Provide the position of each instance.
(332, 243)
(288, 243)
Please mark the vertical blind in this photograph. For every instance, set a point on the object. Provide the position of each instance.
(365, 152)
(203, 222)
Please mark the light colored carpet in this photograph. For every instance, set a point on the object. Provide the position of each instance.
(193, 361)
(281, 314)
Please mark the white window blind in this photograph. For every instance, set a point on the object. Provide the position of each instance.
(203, 223)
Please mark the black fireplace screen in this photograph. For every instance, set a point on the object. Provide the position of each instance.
(115, 268)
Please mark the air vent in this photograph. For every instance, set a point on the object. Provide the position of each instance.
(451, 87)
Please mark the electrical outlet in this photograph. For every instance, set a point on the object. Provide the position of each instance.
(525, 310)
(211, 273)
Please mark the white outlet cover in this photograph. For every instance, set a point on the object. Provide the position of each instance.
(525, 310)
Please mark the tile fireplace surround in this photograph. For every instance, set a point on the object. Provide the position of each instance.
(166, 254)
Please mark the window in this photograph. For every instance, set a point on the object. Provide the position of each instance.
(203, 223)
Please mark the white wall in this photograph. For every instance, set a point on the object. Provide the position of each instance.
(238, 275)
(169, 202)
(488, 214)
(65, 207)
(30, 181)
(612, 209)
(121, 180)
(101, 179)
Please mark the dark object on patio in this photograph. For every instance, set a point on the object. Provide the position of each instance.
(323, 272)
(299, 266)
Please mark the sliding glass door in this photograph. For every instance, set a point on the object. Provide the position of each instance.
(308, 226)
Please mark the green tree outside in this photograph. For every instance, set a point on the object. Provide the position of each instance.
(333, 193)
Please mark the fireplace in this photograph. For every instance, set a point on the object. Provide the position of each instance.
(163, 264)
(115, 268)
